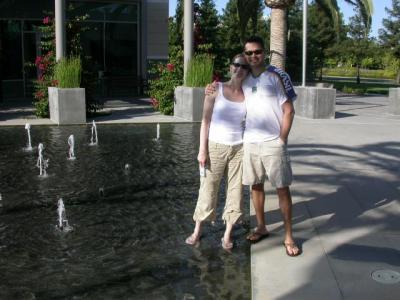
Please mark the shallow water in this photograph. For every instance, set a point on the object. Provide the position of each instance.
(128, 239)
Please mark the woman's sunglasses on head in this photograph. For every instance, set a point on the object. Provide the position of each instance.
(243, 66)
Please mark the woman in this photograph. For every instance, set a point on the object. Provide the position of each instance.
(220, 152)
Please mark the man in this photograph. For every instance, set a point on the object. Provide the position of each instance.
(268, 95)
(269, 118)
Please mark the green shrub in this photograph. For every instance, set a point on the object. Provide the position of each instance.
(352, 72)
(200, 71)
(165, 77)
(352, 90)
(67, 72)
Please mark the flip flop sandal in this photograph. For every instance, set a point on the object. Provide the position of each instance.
(292, 246)
(256, 236)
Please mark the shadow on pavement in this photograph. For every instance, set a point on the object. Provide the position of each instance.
(353, 202)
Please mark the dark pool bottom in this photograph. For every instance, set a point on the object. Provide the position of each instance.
(128, 241)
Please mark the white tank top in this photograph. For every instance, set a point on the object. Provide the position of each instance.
(227, 121)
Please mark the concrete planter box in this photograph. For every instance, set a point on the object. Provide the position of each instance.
(67, 106)
(315, 102)
(189, 103)
(394, 101)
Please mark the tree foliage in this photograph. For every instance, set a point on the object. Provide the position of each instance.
(390, 34)
(321, 36)
(234, 32)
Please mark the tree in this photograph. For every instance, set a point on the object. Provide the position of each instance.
(294, 42)
(207, 23)
(357, 45)
(233, 31)
(390, 34)
(321, 36)
(175, 26)
(230, 30)
(247, 10)
(278, 36)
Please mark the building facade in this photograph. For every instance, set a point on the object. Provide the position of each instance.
(121, 37)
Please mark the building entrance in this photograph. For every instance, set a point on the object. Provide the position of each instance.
(111, 39)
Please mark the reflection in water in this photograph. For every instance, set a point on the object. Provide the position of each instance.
(129, 222)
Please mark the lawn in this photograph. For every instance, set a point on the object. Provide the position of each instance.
(362, 88)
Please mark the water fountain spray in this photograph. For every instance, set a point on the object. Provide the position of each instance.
(42, 163)
(71, 143)
(62, 216)
(127, 169)
(93, 139)
(28, 129)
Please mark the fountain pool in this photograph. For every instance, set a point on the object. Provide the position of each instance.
(129, 228)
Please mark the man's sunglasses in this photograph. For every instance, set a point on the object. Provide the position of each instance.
(243, 66)
(256, 52)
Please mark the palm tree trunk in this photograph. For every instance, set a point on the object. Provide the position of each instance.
(278, 37)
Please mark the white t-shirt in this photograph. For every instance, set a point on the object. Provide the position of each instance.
(264, 98)
(227, 121)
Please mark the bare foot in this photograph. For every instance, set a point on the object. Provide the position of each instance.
(291, 248)
(257, 235)
(193, 240)
(227, 245)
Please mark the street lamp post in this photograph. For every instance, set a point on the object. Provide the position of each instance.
(305, 5)
(187, 34)
(60, 28)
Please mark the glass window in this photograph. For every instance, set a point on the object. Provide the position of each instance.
(11, 54)
(92, 43)
(25, 9)
(100, 11)
(121, 49)
(32, 25)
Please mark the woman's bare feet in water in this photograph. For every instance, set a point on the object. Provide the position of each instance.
(193, 239)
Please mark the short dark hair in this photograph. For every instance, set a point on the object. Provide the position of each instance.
(255, 39)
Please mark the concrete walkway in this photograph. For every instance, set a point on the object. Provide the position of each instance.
(346, 211)
(116, 111)
(346, 195)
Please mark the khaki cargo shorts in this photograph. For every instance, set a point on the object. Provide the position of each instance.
(266, 160)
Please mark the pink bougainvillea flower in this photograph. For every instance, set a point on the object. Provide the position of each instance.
(38, 60)
(154, 102)
(46, 20)
(39, 94)
(170, 67)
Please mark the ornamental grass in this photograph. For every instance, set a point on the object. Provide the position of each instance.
(200, 71)
(68, 72)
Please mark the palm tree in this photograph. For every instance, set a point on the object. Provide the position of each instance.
(247, 10)
(279, 8)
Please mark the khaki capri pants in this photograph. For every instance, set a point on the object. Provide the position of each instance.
(224, 160)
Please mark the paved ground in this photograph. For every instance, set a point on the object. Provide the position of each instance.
(346, 201)
(123, 110)
(346, 208)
